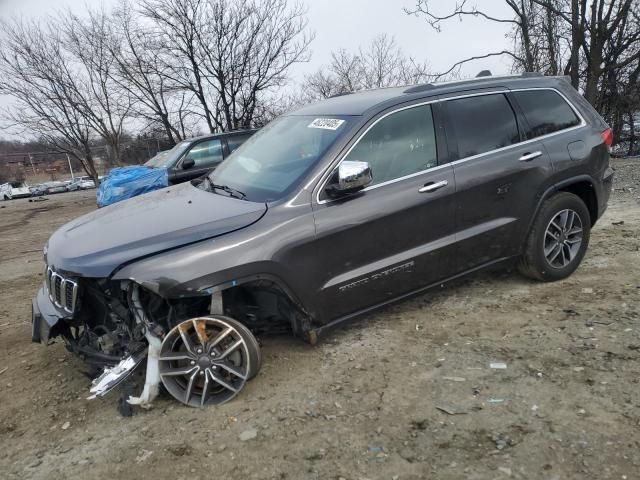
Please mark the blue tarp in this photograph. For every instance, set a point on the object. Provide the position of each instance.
(127, 182)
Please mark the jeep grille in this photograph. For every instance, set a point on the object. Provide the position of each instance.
(62, 291)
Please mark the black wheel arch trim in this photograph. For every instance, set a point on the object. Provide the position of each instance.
(556, 187)
(281, 284)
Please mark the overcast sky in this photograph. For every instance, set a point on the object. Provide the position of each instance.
(352, 23)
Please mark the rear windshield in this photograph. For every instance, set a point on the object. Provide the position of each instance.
(545, 111)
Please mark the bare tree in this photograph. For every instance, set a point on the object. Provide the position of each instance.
(592, 26)
(464, 9)
(595, 42)
(381, 64)
(103, 102)
(35, 71)
(229, 54)
(142, 71)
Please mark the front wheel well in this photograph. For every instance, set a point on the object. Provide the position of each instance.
(265, 307)
(586, 192)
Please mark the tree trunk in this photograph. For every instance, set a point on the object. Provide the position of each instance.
(89, 164)
(576, 41)
(594, 68)
(551, 40)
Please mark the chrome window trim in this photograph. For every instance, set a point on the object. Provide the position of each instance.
(325, 176)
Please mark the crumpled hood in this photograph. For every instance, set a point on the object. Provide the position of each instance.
(95, 244)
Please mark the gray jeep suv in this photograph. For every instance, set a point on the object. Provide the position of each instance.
(323, 215)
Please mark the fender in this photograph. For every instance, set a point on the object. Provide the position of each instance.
(555, 188)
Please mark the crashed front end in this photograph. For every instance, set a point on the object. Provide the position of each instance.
(98, 320)
(113, 325)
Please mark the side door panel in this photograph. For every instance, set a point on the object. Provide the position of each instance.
(497, 186)
(497, 194)
(384, 242)
(395, 236)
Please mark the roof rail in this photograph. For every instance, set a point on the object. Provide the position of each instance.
(419, 88)
(484, 74)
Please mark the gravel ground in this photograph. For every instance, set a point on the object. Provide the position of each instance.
(405, 393)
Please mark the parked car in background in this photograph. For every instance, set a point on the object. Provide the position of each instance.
(327, 213)
(194, 157)
(73, 186)
(12, 190)
(55, 187)
(626, 128)
(81, 183)
(157, 158)
(38, 190)
(189, 159)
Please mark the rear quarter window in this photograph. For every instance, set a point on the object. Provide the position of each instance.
(482, 123)
(546, 112)
(235, 141)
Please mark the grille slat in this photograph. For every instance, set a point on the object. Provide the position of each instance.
(57, 281)
(63, 292)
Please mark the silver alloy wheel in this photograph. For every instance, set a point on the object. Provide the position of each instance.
(563, 238)
(204, 361)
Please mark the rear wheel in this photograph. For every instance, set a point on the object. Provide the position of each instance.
(558, 239)
(208, 360)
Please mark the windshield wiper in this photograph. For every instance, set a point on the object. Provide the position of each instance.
(225, 188)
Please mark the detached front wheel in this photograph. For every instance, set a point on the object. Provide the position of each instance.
(208, 360)
(558, 239)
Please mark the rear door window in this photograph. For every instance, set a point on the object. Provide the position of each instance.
(206, 154)
(545, 111)
(482, 123)
(398, 145)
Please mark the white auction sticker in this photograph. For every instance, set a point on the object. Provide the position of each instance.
(326, 123)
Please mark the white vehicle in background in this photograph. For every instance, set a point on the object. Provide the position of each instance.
(81, 183)
(11, 190)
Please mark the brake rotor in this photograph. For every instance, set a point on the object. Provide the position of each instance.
(207, 360)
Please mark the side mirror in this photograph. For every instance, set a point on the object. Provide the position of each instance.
(350, 177)
(188, 163)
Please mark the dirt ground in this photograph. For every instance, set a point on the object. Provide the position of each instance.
(371, 400)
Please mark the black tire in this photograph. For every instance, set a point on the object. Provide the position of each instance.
(534, 263)
(255, 357)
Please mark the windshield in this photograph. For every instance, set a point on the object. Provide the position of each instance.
(272, 161)
(168, 157)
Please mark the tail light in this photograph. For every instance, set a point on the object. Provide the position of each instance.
(607, 136)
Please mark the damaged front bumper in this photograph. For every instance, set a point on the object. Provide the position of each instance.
(45, 317)
(48, 321)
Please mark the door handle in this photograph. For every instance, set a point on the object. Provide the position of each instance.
(432, 187)
(527, 157)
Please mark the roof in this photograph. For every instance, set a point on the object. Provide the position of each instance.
(220, 135)
(360, 102)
